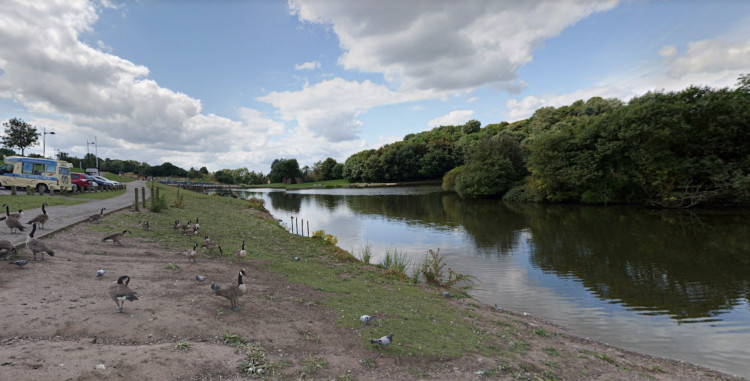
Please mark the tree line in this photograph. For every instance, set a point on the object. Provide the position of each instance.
(663, 149)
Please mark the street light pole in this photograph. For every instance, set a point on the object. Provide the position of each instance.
(88, 152)
(96, 147)
(44, 140)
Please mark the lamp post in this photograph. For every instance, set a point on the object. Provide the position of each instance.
(44, 140)
(89, 153)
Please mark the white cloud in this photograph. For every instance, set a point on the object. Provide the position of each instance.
(711, 56)
(454, 118)
(329, 109)
(311, 65)
(444, 45)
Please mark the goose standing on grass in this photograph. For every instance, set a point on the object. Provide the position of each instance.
(97, 217)
(176, 225)
(241, 253)
(232, 293)
(7, 247)
(188, 225)
(41, 219)
(192, 254)
(36, 246)
(12, 223)
(210, 245)
(115, 238)
(190, 233)
(145, 224)
(120, 292)
(197, 225)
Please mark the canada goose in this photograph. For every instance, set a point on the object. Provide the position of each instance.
(241, 253)
(41, 219)
(145, 224)
(120, 292)
(188, 225)
(14, 215)
(192, 254)
(210, 245)
(11, 222)
(233, 292)
(176, 225)
(7, 247)
(36, 246)
(190, 233)
(97, 217)
(115, 238)
(197, 225)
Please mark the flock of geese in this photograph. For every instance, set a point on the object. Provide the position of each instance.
(119, 292)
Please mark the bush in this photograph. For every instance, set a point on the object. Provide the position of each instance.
(432, 271)
(158, 203)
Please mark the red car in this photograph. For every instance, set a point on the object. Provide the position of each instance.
(80, 182)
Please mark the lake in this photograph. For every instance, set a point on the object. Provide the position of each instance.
(666, 283)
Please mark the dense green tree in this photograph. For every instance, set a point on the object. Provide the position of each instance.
(284, 169)
(472, 126)
(224, 176)
(19, 134)
(493, 166)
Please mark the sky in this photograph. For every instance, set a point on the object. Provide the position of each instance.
(229, 84)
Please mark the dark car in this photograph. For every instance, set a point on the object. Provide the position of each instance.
(81, 182)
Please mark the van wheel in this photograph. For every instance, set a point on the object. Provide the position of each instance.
(41, 188)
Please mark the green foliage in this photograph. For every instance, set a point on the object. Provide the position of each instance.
(19, 134)
(433, 273)
(492, 167)
(158, 202)
(256, 203)
(365, 254)
(395, 264)
(284, 169)
(449, 180)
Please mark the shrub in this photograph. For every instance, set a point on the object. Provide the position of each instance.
(432, 271)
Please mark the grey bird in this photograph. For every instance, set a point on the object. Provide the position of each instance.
(19, 263)
(447, 294)
(120, 292)
(365, 319)
(101, 273)
(115, 238)
(36, 246)
(383, 341)
(41, 219)
(201, 279)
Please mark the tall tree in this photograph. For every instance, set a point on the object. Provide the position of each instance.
(19, 134)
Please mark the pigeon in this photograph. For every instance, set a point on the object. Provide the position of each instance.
(101, 273)
(296, 258)
(383, 341)
(497, 307)
(365, 319)
(447, 295)
(215, 286)
(200, 279)
(19, 263)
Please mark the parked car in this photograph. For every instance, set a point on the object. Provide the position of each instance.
(105, 182)
(81, 182)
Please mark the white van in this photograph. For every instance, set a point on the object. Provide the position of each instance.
(42, 174)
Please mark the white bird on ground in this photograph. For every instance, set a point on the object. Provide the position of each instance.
(100, 273)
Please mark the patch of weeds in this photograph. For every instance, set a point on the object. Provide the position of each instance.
(598, 355)
(256, 364)
(256, 203)
(551, 364)
(542, 332)
(221, 312)
(94, 340)
(368, 363)
(365, 254)
(173, 266)
(549, 375)
(270, 296)
(519, 346)
(312, 364)
(529, 368)
(309, 336)
(551, 351)
(657, 369)
(158, 203)
(86, 252)
(432, 272)
(419, 373)
(233, 340)
(182, 345)
(395, 264)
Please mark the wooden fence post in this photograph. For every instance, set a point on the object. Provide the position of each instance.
(136, 200)
(143, 193)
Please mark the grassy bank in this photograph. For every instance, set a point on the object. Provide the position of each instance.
(430, 330)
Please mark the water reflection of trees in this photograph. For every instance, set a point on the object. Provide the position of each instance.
(686, 265)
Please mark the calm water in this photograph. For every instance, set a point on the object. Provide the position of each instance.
(671, 284)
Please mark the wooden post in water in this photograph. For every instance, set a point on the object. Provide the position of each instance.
(136, 199)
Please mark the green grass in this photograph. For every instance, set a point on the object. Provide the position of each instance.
(27, 202)
(422, 323)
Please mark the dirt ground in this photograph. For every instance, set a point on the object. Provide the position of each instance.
(59, 324)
